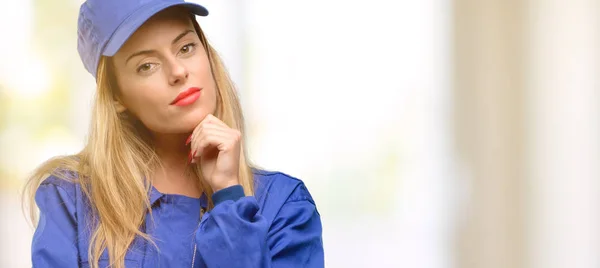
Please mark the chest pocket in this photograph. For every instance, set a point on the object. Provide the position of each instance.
(103, 263)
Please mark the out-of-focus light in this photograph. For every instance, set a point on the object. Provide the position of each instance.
(21, 153)
(16, 27)
(58, 141)
(21, 72)
(28, 77)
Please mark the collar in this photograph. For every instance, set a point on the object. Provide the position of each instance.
(156, 196)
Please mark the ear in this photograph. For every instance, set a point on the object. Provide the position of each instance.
(119, 106)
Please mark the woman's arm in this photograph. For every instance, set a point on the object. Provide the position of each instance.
(55, 239)
(235, 234)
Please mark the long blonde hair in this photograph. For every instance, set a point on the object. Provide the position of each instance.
(118, 158)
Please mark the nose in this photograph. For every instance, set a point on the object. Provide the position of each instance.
(178, 72)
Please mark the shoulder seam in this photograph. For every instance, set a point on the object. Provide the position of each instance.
(275, 173)
(64, 189)
(300, 199)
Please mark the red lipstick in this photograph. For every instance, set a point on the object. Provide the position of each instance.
(187, 97)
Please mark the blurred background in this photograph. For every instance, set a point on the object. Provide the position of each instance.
(431, 133)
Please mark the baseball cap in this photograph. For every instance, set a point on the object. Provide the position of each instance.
(104, 25)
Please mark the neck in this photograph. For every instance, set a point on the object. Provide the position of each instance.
(171, 149)
(174, 175)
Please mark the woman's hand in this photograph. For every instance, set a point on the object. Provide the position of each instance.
(216, 147)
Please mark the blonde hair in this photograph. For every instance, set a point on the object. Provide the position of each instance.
(118, 158)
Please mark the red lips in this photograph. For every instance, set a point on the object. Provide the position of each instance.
(187, 97)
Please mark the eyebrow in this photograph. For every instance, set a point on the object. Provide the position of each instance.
(181, 35)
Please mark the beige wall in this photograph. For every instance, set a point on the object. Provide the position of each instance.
(527, 98)
(564, 138)
(489, 95)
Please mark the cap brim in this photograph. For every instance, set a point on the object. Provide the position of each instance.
(133, 22)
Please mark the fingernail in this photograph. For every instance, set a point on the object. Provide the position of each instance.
(190, 157)
(189, 139)
(193, 158)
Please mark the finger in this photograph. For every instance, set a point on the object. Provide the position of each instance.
(213, 124)
(211, 119)
(206, 121)
(206, 143)
(210, 136)
(233, 135)
(200, 146)
(209, 127)
(216, 120)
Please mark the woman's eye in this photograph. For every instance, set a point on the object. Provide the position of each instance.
(188, 48)
(144, 67)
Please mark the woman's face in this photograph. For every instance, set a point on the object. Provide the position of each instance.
(157, 65)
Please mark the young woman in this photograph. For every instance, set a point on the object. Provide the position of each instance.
(163, 180)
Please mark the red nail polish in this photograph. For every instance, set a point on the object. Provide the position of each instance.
(190, 157)
(193, 155)
(189, 139)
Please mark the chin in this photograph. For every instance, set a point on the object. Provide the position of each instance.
(179, 123)
(174, 126)
(192, 120)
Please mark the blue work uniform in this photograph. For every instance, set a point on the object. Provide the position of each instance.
(277, 227)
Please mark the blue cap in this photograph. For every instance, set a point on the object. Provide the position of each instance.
(104, 25)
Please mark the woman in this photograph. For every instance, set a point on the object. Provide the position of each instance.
(163, 180)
